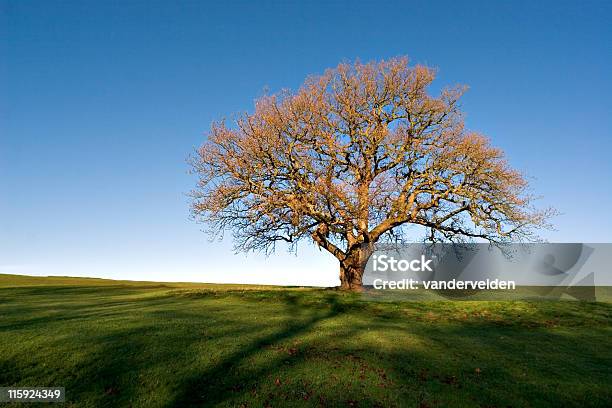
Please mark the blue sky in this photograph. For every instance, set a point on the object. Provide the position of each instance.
(101, 103)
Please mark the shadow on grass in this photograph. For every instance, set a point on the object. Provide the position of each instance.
(200, 387)
(68, 303)
(215, 384)
(209, 349)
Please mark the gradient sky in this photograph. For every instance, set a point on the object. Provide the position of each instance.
(101, 102)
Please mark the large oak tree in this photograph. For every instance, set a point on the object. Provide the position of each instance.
(352, 158)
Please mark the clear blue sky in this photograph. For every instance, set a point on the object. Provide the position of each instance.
(102, 101)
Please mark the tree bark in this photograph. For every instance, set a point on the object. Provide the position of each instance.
(351, 270)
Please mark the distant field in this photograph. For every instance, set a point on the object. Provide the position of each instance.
(144, 344)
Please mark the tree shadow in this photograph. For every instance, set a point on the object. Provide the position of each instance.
(213, 385)
(108, 373)
(208, 349)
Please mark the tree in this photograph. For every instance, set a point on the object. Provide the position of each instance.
(352, 158)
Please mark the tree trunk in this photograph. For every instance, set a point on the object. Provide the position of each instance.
(351, 270)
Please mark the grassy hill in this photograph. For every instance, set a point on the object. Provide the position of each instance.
(144, 344)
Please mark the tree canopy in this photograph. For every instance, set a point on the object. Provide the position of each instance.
(353, 157)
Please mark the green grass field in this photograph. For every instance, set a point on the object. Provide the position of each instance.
(139, 344)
